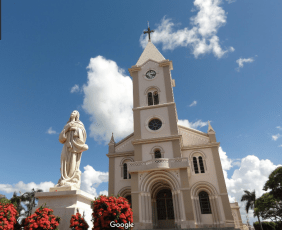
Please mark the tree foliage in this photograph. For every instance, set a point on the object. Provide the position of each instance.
(269, 207)
(250, 197)
(275, 183)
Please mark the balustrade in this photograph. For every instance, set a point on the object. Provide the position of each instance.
(159, 163)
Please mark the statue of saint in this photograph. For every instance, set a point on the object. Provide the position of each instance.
(73, 136)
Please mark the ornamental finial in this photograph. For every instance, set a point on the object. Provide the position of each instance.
(149, 31)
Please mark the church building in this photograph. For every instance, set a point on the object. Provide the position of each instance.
(171, 174)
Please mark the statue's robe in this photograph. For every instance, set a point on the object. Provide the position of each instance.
(74, 145)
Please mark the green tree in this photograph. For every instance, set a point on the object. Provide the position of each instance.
(275, 183)
(29, 199)
(269, 207)
(16, 200)
(250, 197)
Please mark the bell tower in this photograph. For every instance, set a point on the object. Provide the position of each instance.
(154, 109)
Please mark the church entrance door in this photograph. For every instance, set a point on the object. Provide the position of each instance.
(165, 209)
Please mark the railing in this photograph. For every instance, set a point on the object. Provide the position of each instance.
(159, 163)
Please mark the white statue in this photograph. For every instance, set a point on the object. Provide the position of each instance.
(73, 136)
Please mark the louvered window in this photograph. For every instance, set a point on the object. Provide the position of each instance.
(156, 98)
(150, 98)
(201, 165)
(195, 163)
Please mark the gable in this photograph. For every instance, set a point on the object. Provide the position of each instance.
(193, 137)
(125, 144)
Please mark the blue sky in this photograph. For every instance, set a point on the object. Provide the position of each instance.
(58, 56)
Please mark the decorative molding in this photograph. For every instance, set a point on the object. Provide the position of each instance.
(124, 139)
(134, 69)
(123, 154)
(166, 63)
(210, 145)
(193, 130)
(156, 140)
(154, 106)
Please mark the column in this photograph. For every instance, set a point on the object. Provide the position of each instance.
(175, 206)
(150, 208)
(197, 206)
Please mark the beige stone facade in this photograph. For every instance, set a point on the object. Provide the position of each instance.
(171, 173)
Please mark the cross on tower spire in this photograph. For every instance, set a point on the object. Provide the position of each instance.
(149, 31)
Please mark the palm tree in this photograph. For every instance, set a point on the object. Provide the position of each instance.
(250, 197)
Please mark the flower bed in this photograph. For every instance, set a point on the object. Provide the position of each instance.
(78, 222)
(43, 218)
(111, 213)
(8, 214)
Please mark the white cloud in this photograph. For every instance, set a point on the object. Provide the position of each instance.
(21, 186)
(51, 131)
(108, 100)
(241, 62)
(279, 127)
(195, 125)
(105, 192)
(251, 175)
(279, 145)
(75, 89)
(275, 137)
(201, 38)
(193, 103)
(91, 179)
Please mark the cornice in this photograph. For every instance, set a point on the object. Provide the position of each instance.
(124, 139)
(129, 153)
(166, 63)
(210, 145)
(154, 106)
(156, 140)
(193, 130)
(134, 69)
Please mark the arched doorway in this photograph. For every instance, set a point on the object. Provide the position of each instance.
(165, 213)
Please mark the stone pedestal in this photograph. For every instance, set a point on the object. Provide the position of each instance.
(65, 203)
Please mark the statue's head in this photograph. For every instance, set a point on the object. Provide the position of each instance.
(74, 114)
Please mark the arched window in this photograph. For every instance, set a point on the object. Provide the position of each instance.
(124, 168)
(158, 154)
(195, 163)
(201, 165)
(204, 203)
(153, 98)
(124, 171)
(156, 98)
(198, 163)
(150, 98)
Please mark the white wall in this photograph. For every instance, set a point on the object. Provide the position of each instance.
(166, 146)
(144, 83)
(146, 115)
(119, 181)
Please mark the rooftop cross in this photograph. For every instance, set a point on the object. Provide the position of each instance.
(149, 31)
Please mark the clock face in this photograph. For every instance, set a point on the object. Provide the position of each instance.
(150, 74)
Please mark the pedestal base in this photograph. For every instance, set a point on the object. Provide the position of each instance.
(65, 204)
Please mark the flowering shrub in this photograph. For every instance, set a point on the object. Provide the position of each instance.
(111, 213)
(43, 218)
(8, 214)
(78, 222)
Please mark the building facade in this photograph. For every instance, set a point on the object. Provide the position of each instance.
(171, 174)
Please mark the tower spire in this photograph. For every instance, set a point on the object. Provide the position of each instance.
(149, 31)
(112, 141)
(210, 129)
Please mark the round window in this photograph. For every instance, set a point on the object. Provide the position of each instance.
(155, 124)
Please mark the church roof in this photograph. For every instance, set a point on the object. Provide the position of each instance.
(150, 52)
